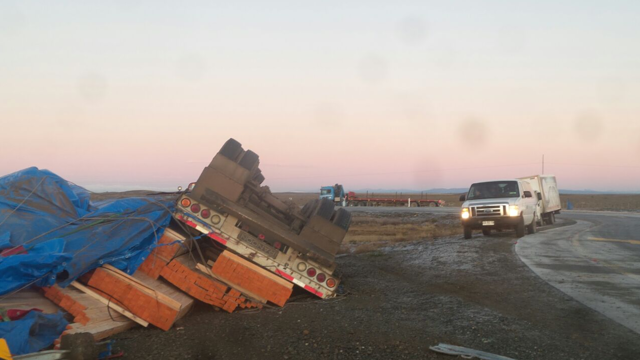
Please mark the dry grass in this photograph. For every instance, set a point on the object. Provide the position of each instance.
(372, 231)
(580, 201)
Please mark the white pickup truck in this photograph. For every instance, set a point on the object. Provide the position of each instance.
(498, 205)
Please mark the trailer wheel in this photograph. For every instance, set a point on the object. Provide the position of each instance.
(362, 203)
(520, 228)
(467, 232)
(308, 208)
(249, 160)
(486, 232)
(231, 149)
(415, 204)
(342, 219)
(432, 204)
(324, 209)
(258, 177)
(552, 218)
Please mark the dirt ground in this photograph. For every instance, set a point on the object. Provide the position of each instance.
(398, 301)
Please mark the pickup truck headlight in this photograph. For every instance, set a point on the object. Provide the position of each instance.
(514, 211)
(465, 213)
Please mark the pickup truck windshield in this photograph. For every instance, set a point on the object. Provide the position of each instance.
(494, 190)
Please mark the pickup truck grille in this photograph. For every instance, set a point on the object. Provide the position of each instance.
(489, 210)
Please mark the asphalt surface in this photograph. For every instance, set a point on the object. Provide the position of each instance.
(595, 261)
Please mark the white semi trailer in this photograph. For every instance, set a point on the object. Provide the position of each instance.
(549, 198)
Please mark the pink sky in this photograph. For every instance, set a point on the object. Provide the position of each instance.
(118, 96)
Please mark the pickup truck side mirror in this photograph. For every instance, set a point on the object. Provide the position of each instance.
(462, 197)
(539, 196)
(527, 194)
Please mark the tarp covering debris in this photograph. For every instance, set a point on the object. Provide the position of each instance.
(33, 332)
(50, 232)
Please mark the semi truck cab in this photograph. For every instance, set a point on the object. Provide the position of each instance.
(334, 193)
(498, 205)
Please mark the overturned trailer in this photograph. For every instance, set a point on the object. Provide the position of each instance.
(229, 205)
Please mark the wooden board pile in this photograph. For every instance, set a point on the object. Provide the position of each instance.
(107, 301)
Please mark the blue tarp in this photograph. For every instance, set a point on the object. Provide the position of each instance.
(33, 332)
(65, 235)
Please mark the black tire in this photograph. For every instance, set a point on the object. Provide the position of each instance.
(249, 160)
(324, 209)
(308, 208)
(342, 219)
(520, 228)
(231, 149)
(415, 204)
(362, 203)
(467, 232)
(432, 204)
(258, 177)
(486, 232)
(531, 228)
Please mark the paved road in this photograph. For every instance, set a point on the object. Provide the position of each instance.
(596, 261)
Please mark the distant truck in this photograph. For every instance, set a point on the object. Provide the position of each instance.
(337, 194)
(229, 205)
(499, 205)
(549, 203)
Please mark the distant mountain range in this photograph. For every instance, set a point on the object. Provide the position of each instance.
(464, 190)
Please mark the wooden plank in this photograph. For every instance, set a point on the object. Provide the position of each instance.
(144, 287)
(110, 304)
(257, 269)
(246, 292)
(185, 301)
(27, 299)
(101, 330)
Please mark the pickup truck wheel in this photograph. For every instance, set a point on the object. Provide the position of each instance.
(486, 232)
(231, 149)
(531, 228)
(520, 228)
(324, 209)
(467, 232)
(249, 160)
(342, 219)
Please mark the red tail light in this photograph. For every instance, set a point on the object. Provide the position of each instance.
(205, 213)
(195, 208)
(311, 272)
(321, 277)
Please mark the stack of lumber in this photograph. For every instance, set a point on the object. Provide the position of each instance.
(148, 299)
(170, 245)
(91, 314)
(182, 272)
(28, 299)
(251, 279)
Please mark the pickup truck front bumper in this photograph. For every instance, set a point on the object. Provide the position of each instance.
(499, 222)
